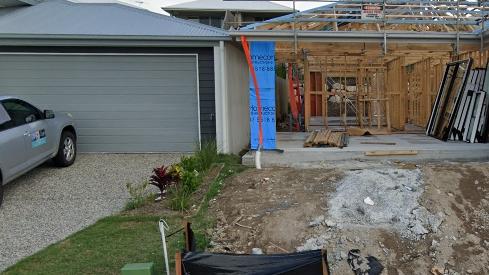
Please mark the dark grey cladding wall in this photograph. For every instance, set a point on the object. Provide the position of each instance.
(206, 73)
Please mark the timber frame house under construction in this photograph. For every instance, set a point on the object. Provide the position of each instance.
(373, 64)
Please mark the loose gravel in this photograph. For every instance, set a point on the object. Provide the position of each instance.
(48, 204)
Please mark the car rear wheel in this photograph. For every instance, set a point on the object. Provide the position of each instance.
(67, 150)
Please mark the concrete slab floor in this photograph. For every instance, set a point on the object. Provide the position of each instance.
(428, 148)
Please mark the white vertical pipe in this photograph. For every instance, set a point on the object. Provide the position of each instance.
(258, 158)
(164, 226)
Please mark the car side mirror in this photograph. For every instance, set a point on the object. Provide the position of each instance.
(48, 114)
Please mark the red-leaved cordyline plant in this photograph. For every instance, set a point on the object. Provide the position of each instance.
(161, 178)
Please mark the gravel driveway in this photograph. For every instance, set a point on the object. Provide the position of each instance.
(48, 204)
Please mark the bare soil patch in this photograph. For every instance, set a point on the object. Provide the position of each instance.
(287, 209)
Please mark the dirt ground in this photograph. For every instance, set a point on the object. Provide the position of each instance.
(282, 210)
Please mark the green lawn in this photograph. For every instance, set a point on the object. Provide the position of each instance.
(129, 237)
(103, 248)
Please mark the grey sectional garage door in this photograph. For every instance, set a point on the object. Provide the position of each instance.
(121, 103)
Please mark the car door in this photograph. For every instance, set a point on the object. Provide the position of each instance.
(12, 143)
(37, 133)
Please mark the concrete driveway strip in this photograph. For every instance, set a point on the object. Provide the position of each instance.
(48, 204)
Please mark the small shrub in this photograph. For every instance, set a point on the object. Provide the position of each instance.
(162, 178)
(206, 155)
(136, 191)
(189, 163)
(176, 171)
(181, 193)
(180, 198)
(189, 172)
(191, 180)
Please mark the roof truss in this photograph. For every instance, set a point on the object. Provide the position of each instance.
(397, 15)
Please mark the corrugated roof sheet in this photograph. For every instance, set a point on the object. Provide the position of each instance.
(262, 6)
(151, 5)
(78, 19)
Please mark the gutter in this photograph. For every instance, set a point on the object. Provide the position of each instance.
(110, 40)
(115, 37)
(224, 10)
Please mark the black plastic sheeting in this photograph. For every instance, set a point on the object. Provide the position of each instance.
(200, 263)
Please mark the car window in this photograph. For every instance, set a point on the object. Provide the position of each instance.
(21, 112)
(4, 119)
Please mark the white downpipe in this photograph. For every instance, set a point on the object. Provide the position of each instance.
(164, 226)
(258, 159)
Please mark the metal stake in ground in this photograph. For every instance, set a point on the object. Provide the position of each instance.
(164, 226)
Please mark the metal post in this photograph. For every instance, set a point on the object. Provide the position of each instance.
(295, 31)
(482, 35)
(483, 21)
(384, 26)
(458, 29)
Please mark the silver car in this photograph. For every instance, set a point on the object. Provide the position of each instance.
(29, 137)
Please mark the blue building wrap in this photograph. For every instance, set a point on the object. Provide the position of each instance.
(263, 58)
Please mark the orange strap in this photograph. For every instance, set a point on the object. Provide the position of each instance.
(246, 49)
(298, 95)
(292, 98)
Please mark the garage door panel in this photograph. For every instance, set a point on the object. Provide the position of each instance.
(77, 60)
(140, 123)
(135, 148)
(119, 103)
(81, 75)
(88, 67)
(128, 107)
(135, 117)
(173, 132)
(168, 89)
(84, 82)
(109, 99)
(139, 139)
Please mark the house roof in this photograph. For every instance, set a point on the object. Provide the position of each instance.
(151, 5)
(220, 5)
(63, 18)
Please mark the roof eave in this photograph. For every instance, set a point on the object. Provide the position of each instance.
(110, 40)
(113, 37)
(222, 10)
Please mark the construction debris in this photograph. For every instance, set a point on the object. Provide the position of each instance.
(391, 153)
(437, 271)
(326, 138)
(364, 265)
(356, 131)
(369, 201)
(471, 115)
(460, 109)
(393, 230)
(377, 143)
(395, 206)
(256, 251)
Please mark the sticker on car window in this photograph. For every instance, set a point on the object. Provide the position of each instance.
(38, 138)
(4, 117)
